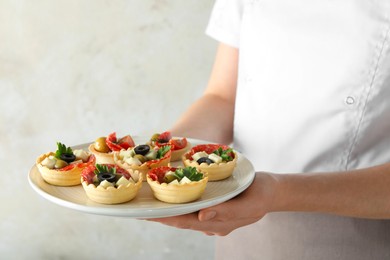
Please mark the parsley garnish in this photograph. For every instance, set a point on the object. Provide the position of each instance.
(190, 172)
(162, 151)
(224, 154)
(62, 149)
(104, 169)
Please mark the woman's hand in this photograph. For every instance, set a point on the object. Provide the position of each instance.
(247, 208)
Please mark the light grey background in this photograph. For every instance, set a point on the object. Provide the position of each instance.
(72, 71)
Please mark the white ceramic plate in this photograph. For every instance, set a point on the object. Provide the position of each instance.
(144, 205)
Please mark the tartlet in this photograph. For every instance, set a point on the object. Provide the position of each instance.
(101, 187)
(217, 160)
(103, 147)
(177, 185)
(56, 171)
(178, 145)
(143, 158)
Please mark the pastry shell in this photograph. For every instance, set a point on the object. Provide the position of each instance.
(101, 158)
(177, 193)
(177, 154)
(215, 171)
(113, 195)
(60, 177)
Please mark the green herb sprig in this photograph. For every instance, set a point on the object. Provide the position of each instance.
(224, 154)
(190, 172)
(104, 169)
(62, 149)
(162, 151)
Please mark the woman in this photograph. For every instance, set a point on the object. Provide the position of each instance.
(301, 88)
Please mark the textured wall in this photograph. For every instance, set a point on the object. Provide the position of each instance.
(72, 71)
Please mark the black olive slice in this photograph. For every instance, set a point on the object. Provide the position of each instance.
(108, 176)
(205, 160)
(142, 149)
(68, 157)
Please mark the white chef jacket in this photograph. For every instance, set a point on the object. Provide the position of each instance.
(313, 95)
